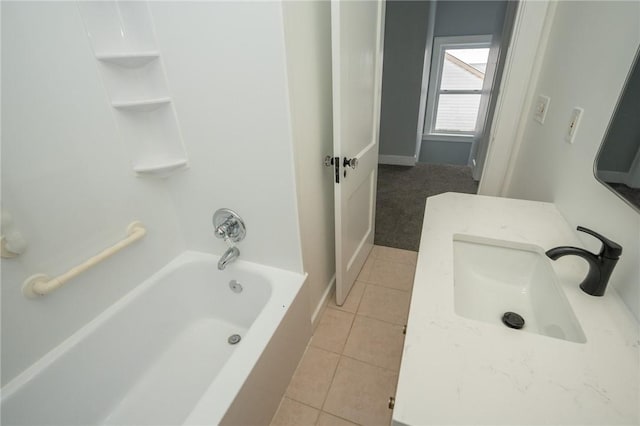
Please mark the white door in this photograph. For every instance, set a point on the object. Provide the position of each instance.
(357, 31)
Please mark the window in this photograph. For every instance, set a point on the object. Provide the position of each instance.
(455, 85)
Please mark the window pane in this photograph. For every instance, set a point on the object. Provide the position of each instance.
(457, 112)
(463, 69)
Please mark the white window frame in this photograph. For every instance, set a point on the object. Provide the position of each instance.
(440, 44)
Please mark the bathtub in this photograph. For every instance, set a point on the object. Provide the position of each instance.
(161, 356)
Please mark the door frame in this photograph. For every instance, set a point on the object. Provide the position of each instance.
(523, 63)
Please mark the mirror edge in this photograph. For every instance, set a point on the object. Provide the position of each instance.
(634, 63)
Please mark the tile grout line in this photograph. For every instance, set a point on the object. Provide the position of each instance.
(368, 281)
(351, 357)
(341, 418)
(371, 365)
(395, 388)
(390, 288)
(341, 353)
(400, 262)
(384, 321)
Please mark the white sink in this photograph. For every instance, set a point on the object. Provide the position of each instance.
(492, 277)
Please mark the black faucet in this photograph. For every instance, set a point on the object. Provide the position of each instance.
(600, 265)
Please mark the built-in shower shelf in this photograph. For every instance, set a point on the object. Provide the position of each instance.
(160, 169)
(125, 47)
(129, 59)
(142, 105)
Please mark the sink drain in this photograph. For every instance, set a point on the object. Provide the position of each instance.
(233, 339)
(513, 320)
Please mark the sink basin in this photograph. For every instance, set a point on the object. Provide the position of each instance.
(492, 277)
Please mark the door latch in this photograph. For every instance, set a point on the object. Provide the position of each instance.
(335, 162)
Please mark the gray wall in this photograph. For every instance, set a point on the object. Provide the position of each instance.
(405, 37)
(458, 18)
(455, 18)
(444, 152)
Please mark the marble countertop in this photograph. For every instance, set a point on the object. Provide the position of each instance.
(465, 372)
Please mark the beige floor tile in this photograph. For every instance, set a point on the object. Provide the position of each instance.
(386, 304)
(327, 419)
(395, 255)
(333, 330)
(391, 274)
(353, 299)
(293, 413)
(360, 393)
(312, 379)
(365, 272)
(375, 342)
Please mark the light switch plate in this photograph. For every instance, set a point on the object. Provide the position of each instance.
(574, 122)
(540, 108)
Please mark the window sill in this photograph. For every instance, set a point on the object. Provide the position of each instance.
(448, 138)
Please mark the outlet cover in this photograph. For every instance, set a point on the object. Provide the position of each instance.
(574, 122)
(540, 108)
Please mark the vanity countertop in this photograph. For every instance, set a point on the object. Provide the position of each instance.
(466, 372)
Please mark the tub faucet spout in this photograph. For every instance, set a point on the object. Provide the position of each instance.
(229, 256)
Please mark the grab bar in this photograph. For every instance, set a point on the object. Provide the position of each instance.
(40, 284)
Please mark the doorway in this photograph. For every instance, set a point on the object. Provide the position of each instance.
(443, 61)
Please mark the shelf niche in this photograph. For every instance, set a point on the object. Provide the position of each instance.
(123, 41)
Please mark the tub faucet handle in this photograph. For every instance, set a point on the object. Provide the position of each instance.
(229, 225)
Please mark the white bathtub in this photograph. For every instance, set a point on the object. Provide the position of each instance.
(160, 355)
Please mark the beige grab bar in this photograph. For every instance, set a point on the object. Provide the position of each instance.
(41, 284)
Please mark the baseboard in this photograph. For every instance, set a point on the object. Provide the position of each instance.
(397, 160)
(315, 318)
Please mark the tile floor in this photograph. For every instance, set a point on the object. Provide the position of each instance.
(350, 367)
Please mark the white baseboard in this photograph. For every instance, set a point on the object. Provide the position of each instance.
(397, 160)
(323, 302)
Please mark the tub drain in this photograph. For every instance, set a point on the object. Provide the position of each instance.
(235, 286)
(233, 339)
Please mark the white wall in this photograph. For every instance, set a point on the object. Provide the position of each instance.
(226, 68)
(550, 169)
(66, 175)
(67, 181)
(308, 41)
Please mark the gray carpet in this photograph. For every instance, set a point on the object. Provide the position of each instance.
(402, 192)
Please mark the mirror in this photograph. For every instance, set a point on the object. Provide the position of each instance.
(617, 165)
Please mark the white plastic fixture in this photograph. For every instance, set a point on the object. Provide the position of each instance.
(574, 122)
(127, 59)
(40, 284)
(124, 43)
(541, 108)
(142, 105)
(12, 242)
